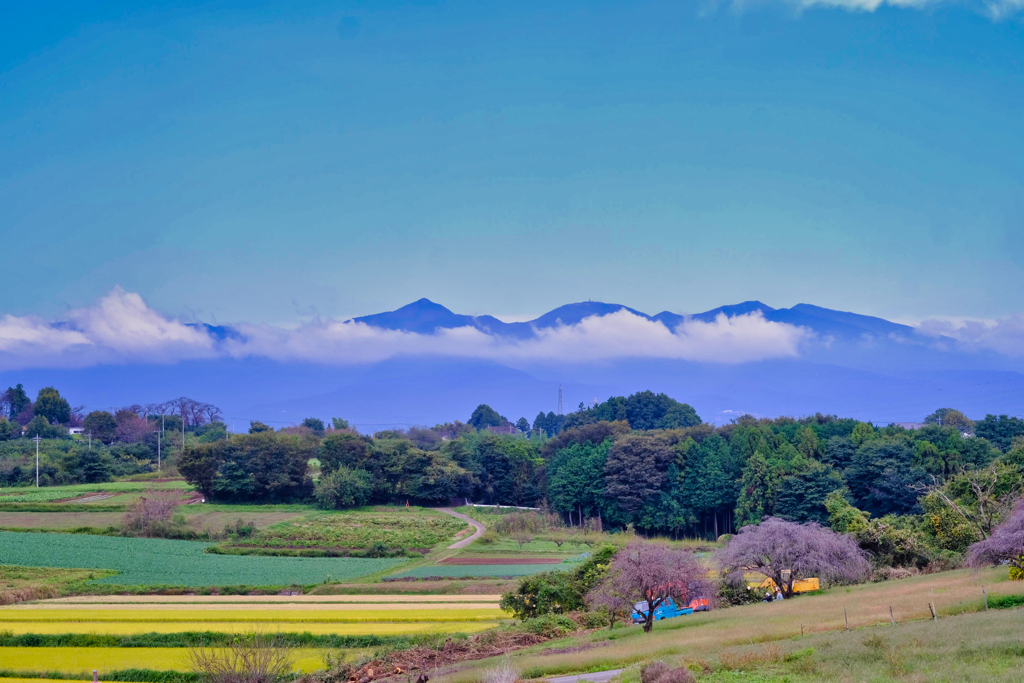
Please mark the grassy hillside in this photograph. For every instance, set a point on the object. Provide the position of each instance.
(805, 638)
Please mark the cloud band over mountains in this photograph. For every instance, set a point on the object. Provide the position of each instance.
(122, 329)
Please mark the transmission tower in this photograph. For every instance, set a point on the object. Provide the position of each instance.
(559, 399)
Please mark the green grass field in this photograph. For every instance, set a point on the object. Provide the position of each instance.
(393, 527)
(804, 639)
(143, 561)
(477, 571)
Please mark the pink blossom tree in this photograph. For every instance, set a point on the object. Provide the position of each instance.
(1005, 544)
(786, 552)
(650, 573)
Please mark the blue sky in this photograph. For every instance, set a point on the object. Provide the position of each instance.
(232, 163)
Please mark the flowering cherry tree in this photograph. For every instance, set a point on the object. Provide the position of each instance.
(649, 573)
(1005, 544)
(786, 552)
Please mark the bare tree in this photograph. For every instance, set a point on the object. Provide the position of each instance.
(981, 498)
(1005, 544)
(786, 552)
(77, 415)
(212, 413)
(253, 658)
(522, 537)
(648, 574)
(150, 514)
(130, 427)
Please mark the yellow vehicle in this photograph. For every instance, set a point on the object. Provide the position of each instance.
(801, 586)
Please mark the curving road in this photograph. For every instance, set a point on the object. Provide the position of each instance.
(469, 539)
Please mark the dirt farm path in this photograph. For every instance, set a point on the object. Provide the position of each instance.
(476, 525)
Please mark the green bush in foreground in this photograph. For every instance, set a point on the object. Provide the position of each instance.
(1006, 602)
(557, 592)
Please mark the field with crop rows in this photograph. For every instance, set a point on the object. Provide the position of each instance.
(385, 628)
(298, 614)
(74, 660)
(144, 561)
(393, 527)
(476, 571)
(40, 496)
(192, 615)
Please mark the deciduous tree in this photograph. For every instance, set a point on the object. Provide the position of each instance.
(101, 425)
(786, 552)
(51, 405)
(648, 574)
(1005, 544)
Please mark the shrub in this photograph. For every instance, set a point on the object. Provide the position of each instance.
(557, 592)
(504, 672)
(660, 672)
(549, 625)
(151, 514)
(733, 591)
(1006, 601)
(893, 573)
(253, 658)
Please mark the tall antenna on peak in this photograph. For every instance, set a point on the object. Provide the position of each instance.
(559, 399)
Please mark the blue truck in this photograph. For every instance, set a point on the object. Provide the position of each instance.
(665, 610)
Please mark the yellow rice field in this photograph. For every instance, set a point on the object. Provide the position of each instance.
(127, 629)
(250, 615)
(103, 659)
(254, 599)
(400, 609)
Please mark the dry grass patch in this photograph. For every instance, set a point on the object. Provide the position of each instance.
(18, 584)
(60, 520)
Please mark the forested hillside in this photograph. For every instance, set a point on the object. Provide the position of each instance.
(645, 462)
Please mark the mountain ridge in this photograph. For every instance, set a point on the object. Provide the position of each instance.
(424, 316)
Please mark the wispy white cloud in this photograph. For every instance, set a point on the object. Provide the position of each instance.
(997, 10)
(617, 335)
(122, 328)
(1004, 336)
(119, 328)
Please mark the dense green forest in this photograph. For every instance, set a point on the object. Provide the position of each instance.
(645, 462)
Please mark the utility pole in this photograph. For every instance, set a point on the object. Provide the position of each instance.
(89, 434)
(559, 399)
(37, 440)
(157, 432)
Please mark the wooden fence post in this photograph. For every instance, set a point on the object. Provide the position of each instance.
(846, 619)
(932, 608)
(891, 617)
(986, 597)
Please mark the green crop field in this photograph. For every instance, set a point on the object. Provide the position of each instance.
(394, 527)
(38, 496)
(144, 561)
(477, 570)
